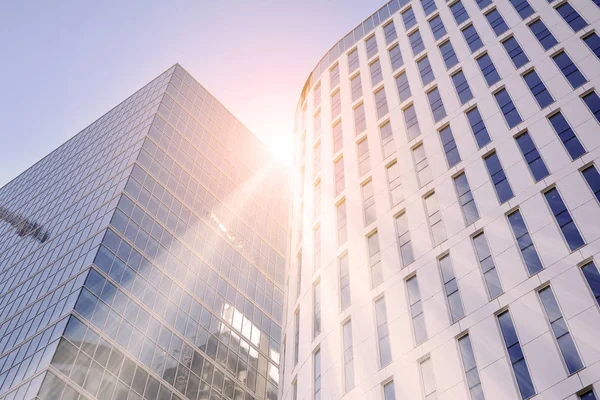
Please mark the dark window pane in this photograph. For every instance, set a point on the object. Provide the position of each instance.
(543, 35)
(515, 52)
(488, 69)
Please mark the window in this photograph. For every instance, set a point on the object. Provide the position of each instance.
(403, 87)
(317, 248)
(483, 3)
(515, 52)
(299, 275)
(526, 246)
(488, 69)
(592, 276)
(317, 124)
(542, 34)
(408, 17)
(472, 38)
(336, 106)
(522, 7)
(316, 309)
(360, 122)
(416, 42)
(338, 168)
(389, 393)
(501, 185)
(480, 132)
(428, 378)
(428, 6)
(434, 218)
(416, 310)
(532, 157)
(448, 54)
(459, 12)
(396, 57)
(437, 27)
(389, 31)
(348, 356)
(593, 102)
(296, 336)
(338, 137)
(406, 251)
(425, 70)
(569, 69)
(462, 87)
(566, 135)
(334, 76)
(560, 330)
(353, 61)
(295, 390)
(449, 144)
(470, 368)
(317, 95)
(374, 260)
(421, 165)
(451, 288)
(571, 17)
(368, 202)
(465, 199)
(515, 355)
(496, 22)
(592, 177)
(356, 87)
(342, 223)
(395, 183)
(317, 159)
(488, 268)
(317, 374)
(364, 164)
(345, 297)
(387, 139)
(371, 45)
(317, 199)
(437, 107)
(412, 124)
(564, 219)
(588, 395)
(593, 42)
(538, 89)
(381, 103)
(511, 115)
(383, 334)
(376, 75)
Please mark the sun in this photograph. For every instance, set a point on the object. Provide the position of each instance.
(282, 148)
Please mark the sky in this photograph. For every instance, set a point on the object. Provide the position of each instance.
(65, 64)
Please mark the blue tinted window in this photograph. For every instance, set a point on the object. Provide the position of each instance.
(437, 27)
(593, 42)
(589, 395)
(571, 17)
(470, 366)
(428, 6)
(465, 198)
(542, 34)
(483, 3)
(538, 89)
(503, 190)
(371, 45)
(459, 12)
(448, 54)
(403, 87)
(593, 102)
(396, 57)
(515, 52)
(437, 107)
(532, 157)
(569, 70)
(522, 7)
(511, 115)
(416, 42)
(451, 288)
(480, 132)
(449, 145)
(412, 124)
(488, 69)
(592, 276)
(472, 38)
(389, 32)
(496, 22)
(528, 251)
(425, 70)
(564, 220)
(462, 87)
(567, 136)
(408, 17)
(486, 262)
(592, 177)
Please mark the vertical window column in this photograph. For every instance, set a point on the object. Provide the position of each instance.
(375, 260)
(525, 243)
(404, 244)
(465, 199)
(383, 334)
(434, 218)
(564, 220)
(470, 368)
(368, 202)
(488, 268)
(451, 288)
(395, 183)
(348, 356)
(416, 310)
(428, 378)
(345, 296)
(499, 179)
(316, 309)
(342, 223)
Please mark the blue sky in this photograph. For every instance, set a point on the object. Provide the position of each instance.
(67, 63)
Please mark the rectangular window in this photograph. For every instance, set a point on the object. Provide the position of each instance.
(364, 165)
(412, 124)
(437, 27)
(299, 275)
(381, 103)
(368, 202)
(571, 17)
(522, 7)
(317, 159)
(409, 19)
(592, 276)
(376, 76)
(296, 336)
(526, 246)
(317, 309)
(501, 185)
(416, 310)
(345, 297)
(538, 89)
(317, 95)
(317, 201)
(449, 145)
(472, 38)
(496, 22)
(342, 223)
(295, 390)
(569, 69)
(422, 165)
(515, 355)
(428, 6)
(451, 288)
(371, 45)
(542, 34)
(334, 76)
(593, 42)
(416, 42)
(396, 57)
(532, 157)
(448, 54)
(404, 244)
(465, 199)
(566, 135)
(488, 268)
(389, 393)
(428, 378)
(395, 183)
(462, 87)
(353, 61)
(317, 248)
(383, 334)
(317, 374)
(356, 87)
(592, 177)
(336, 105)
(338, 168)
(480, 132)
(437, 107)
(338, 137)
(483, 3)
(588, 395)
(434, 218)
(317, 124)
(515, 52)
(360, 122)
(560, 330)
(511, 115)
(389, 31)
(459, 12)
(425, 70)
(593, 102)
(387, 139)
(470, 367)
(564, 219)
(488, 69)
(348, 356)
(403, 87)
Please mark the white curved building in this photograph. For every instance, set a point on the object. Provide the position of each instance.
(446, 223)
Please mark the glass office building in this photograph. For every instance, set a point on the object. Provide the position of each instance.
(144, 258)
